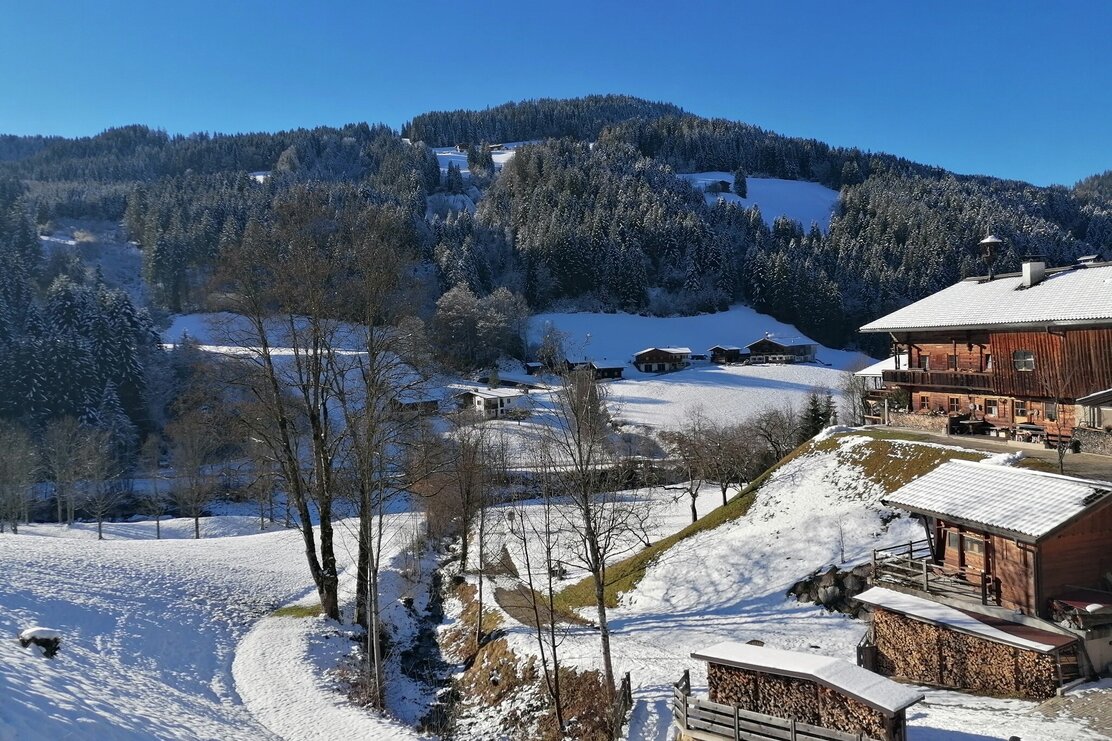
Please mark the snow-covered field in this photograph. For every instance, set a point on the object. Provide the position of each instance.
(799, 200)
(730, 583)
(151, 630)
(723, 393)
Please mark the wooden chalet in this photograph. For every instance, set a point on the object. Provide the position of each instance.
(972, 605)
(768, 350)
(662, 359)
(1009, 355)
(758, 692)
(723, 354)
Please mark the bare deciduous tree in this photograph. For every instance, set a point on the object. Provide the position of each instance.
(18, 464)
(102, 491)
(193, 442)
(60, 447)
(153, 500)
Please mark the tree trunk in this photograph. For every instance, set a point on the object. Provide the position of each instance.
(196, 527)
(604, 635)
(694, 512)
(724, 488)
(158, 527)
(100, 530)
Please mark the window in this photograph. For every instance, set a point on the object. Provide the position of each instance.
(1050, 411)
(953, 540)
(992, 408)
(1020, 408)
(924, 362)
(988, 362)
(974, 545)
(955, 404)
(952, 362)
(924, 401)
(1023, 360)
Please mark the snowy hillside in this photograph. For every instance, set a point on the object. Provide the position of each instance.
(730, 582)
(797, 199)
(448, 155)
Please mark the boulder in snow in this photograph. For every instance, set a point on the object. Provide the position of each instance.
(46, 640)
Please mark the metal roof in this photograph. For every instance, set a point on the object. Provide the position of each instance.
(1080, 294)
(1016, 500)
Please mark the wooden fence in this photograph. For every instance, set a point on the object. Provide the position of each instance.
(623, 703)
(704, 719)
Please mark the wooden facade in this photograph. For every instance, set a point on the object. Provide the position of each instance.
(660, 360)
(727, 354)
(1005, 378)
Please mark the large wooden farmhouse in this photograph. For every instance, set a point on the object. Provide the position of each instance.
(768, 350)
(1010, 556)
(1009, 355)
(662, 359)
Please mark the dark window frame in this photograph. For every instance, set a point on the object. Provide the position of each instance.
(1023, 360)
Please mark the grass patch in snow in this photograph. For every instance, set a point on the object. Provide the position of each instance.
(893, 462)
(625, 575)
(298, 611)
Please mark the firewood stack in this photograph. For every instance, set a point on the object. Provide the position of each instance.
(920, 652)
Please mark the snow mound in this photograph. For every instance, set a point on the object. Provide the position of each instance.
(1005, 459)
(41, 634)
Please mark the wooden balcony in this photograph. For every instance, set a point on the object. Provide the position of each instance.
(948, 379)
(912, 565)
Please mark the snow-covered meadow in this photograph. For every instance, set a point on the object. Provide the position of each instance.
(169, 638)
(799, 200)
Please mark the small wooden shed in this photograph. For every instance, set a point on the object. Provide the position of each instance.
(807, 688)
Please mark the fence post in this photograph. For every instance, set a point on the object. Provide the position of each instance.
(926, 577)
(791, 729)
(737, 723)
(984, 588)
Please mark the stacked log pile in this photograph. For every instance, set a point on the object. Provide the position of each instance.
(803, 700)
(847, 714)
(921, 652)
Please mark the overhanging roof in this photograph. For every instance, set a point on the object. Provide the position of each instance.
(1019, 502)
(1077, 295)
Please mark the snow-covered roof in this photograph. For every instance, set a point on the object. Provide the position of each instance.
(1092, 400)
(1017, 500)
(726, 347)
(494, 393)
(1074, 295)
(1017, 635)
(872, 689)
(876, 369)
(673, 350)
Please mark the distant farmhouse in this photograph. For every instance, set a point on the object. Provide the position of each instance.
(768, 350)
(1006, 594)
(662, 359)
(492, 402)
(723, 354)
(1026, 356)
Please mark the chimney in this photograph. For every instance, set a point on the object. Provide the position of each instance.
(1034, 270)
(990, 248)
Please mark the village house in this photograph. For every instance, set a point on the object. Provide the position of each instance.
(662, 359)
(492, 402)
(1009, 355)
(723, 354)
(1010, 556)
(768, 350)
(762, 692)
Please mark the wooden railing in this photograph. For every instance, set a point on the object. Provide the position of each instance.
(913, 565)
(712, 720)
(972, 380)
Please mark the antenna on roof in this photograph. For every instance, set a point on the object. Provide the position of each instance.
(990, 248)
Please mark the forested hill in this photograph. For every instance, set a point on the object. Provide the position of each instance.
(589, 216)
(546, 118)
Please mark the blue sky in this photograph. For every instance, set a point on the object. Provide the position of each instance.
(1011, 89)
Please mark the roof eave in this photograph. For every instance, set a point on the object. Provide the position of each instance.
(995, 530)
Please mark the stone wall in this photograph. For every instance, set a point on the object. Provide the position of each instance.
(1093, 440)
(920, 652)
(834, 589)
(800, 699)
(929, 422)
